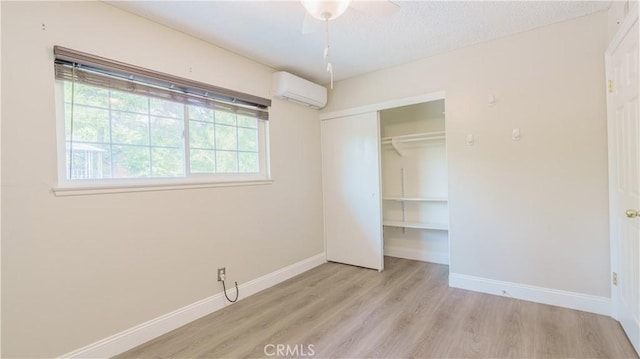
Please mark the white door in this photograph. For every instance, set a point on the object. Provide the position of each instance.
(351, 185)
(624, 176)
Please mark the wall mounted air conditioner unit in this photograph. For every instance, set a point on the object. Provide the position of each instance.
(299, 90)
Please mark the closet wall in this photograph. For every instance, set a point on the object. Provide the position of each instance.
(414, 182)
(532, 212)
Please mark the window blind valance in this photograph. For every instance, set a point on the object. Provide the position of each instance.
(93, 70)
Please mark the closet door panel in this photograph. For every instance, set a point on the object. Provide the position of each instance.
(351, 185)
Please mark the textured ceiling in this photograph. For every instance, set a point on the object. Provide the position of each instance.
(270, 32)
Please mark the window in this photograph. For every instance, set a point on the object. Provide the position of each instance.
(121, 127)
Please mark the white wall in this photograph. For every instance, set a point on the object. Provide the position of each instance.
(0, 187)
(535, 211)
(79, 269)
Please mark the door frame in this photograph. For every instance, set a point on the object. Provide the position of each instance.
(625, 27)
(385, 105)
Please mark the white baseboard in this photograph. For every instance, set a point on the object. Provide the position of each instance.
(559, 298)
(416, 254)
(153, 328)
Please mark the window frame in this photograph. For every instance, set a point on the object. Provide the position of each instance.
(69, 187)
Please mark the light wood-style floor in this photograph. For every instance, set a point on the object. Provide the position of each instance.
(407, 311)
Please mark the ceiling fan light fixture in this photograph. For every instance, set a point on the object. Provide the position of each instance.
(326, 9)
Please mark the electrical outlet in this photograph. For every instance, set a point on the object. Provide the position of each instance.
(221, 273)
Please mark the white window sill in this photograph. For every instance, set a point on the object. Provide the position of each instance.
(126, 188)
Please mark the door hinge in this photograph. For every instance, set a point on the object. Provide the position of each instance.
(610, 86)
(614, 278)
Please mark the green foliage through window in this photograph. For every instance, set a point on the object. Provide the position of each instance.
(118, 135)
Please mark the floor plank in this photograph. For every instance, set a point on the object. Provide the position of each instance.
(406, 311)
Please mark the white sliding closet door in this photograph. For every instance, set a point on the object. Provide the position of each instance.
(351, 184)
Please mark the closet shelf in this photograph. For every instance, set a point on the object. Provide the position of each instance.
(395, 141)
(418, 225)
(415, 199)
(416, 137)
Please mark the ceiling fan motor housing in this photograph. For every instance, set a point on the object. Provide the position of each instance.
(325, 10)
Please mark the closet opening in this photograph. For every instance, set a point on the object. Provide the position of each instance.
(414, 182)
